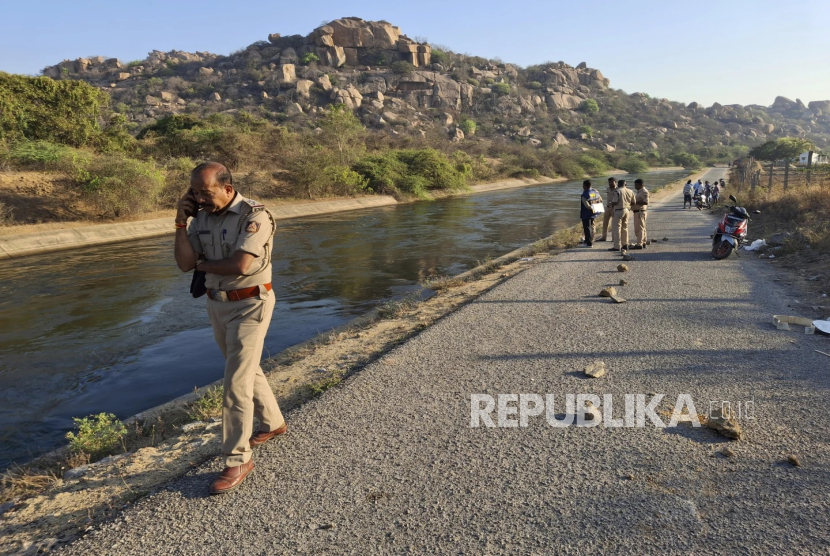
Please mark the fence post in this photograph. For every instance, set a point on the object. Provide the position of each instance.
(786, 174)
(771, 170)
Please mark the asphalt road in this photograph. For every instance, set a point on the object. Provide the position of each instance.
(388, 463)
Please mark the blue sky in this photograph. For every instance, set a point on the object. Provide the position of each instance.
(729, 51)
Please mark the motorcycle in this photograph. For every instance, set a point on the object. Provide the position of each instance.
(702, 201)
(731, 232)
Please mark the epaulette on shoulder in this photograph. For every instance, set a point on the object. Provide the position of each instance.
(255, 205)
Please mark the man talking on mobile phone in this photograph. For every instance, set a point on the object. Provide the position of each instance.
(230, 238)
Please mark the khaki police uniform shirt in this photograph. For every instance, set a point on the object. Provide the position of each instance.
(626, 198)
(608, 200)
(219, 236)
(614, 198)
(641, 197)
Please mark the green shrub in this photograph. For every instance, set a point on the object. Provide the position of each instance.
(346, 181)
(402, 68)
(40, 155)
(589, 106)
(501, 89)
(120, 186)
(208, 405)
(593, 166)
(587, 130)
(474, 82)
(135, 63)
(439, 56)
(410, 172)
(525, 173)
(534, 85)
(467, 126)
(633, 164)
(688, 161)
(488, 81)
(39, 108)
(308, 58)
(569, 168)
(97, 435)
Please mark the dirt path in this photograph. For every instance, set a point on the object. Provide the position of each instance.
(388, 462)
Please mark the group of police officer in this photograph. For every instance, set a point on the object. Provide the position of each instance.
(619, 203)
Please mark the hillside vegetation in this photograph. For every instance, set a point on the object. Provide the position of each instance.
(355, 107)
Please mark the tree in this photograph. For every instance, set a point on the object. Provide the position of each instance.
(468, 126)
(343, 132)
(586, 130)
(782, 149)
(501, 89)
(589, 106)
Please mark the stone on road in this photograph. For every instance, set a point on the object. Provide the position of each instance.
(389, 463)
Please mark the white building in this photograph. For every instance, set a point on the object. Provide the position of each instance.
(817, 158)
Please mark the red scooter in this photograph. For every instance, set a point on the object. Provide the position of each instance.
(731, 231)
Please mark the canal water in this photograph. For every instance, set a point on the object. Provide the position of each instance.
(114, 329)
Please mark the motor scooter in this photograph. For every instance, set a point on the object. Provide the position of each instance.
(702, 201)
(731, 232)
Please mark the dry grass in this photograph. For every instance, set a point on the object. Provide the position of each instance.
(209, 405)
(802, 210)
(19, 482)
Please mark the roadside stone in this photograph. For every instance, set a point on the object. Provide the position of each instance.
(193, 426)
(726, 452)
(76, 473)
(793, 460)
(595, 369)
(623, 282)
(628, 257)
(622, 268)
(610, 291)
(779, 238)
(725, 426)
(592, 412)
(665, 239)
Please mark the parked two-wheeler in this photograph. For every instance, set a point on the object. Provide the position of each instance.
(702, 201)
(731, 232)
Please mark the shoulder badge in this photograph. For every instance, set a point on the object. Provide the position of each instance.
(252, 228)
(253, 203)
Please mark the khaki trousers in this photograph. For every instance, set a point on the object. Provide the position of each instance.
(239, 328)
(640, 227)
(619, 226)
(606, 218)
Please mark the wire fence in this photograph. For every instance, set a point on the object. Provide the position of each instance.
(753, 176)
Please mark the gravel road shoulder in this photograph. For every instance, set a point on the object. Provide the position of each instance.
(388, 462)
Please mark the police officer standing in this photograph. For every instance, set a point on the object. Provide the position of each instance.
(609, 212)
(620, 203)
(590, 198)
(639, 208)
(230, 239)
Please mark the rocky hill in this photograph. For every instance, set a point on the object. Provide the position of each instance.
(400, 86)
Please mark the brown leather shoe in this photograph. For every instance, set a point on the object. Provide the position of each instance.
(231, 478)
(261, 437)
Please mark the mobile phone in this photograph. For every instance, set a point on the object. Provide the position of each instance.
(192, 195)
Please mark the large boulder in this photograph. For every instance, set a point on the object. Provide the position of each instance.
(353, 32)
(304, 87)
(562, 101)
(783, 103)
(823, 105)
(287, 73)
